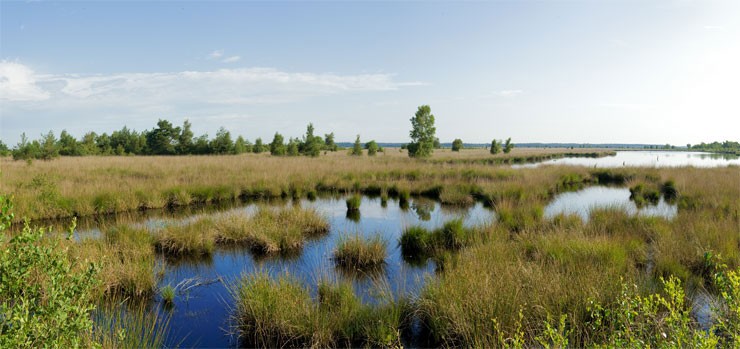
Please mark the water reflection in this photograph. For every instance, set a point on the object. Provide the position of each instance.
(646, 159)
(582, 202)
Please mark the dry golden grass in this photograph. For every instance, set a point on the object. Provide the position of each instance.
(95, 185)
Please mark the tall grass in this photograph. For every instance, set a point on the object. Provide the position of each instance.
(355, 251)
(280, 312)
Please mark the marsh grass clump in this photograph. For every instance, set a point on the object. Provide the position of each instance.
(353, 203)
(642, 194)
(126, 258)
(456, 196)
(194, 239)
(451, 236)
(355, 251)
(279, 312)
(669, 190)
(126, 323)
(168, 294)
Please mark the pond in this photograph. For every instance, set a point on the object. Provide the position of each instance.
(200, 316)
(645, 159)
(584, 201)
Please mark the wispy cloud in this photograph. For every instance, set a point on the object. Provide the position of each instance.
(19, 83)
(231, 59)
(216, 54)
(508, 93)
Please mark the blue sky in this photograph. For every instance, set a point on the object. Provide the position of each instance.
(537, 71)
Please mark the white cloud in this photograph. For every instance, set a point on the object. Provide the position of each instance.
(241, 86)
(18, 83)
(231, 59)
(216, 54)
(508, 93)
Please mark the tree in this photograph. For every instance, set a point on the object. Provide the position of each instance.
(88, 145)
(162, 140)
(495, 147)
(357, 148)
(49, 149)
(457, 144)
(508, 146)
(372, 148)
(258, 146)
(185, 139)
(68, 145)
(277, 147)
(329, 142)
(201, 145)
(26, 150)
(240, 146)
(4, 150)
(222, 144)
(422, 133)
(437, 144)
(311, 144)
(293, 145)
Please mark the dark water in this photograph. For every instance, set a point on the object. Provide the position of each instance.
(646, 159)
(582, 202)
(202, 305)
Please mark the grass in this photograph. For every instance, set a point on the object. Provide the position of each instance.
(353, 203)
(168, 294)
(355, 251)
(96, 185)
(268, 231)
(280, 312)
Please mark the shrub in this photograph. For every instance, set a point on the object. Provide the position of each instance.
(45, 298)
(372, 148)
(457, 144)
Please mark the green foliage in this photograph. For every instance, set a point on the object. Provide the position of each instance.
(277, 146)
(311, 145)
(162, 140)
(356, 148)
(168, 294)
(240, 146)
(457, 144)
(372, 148)
(495, 147)
(258, 146)
(329, 142)
(222, 143)
(422, 133)
(293, 147)
(44, 296)
(4, 150)
(508, 146)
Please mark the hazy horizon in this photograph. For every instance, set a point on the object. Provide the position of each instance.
(651, 72)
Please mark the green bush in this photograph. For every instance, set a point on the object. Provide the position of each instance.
(45, 298)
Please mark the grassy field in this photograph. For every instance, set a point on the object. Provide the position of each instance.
(524, 280)
(98, 185)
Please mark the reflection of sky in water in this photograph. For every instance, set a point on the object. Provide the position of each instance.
(646, 159)
(583, 201)
(199, 317)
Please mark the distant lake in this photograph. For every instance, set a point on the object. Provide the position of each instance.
(646, 159)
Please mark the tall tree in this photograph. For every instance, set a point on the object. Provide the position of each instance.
(422, 133)
(162, 140)
(329, 142)
(258, 146)
(68, 145)
(185, 139)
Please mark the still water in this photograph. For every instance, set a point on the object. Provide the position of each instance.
(645, 159)
(582, 202)
(200, 315)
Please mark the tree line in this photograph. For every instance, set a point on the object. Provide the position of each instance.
(167, 139)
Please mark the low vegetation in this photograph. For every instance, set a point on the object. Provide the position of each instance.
(278, 312)
(355, 251)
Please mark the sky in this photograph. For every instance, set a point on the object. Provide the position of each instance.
(601, 71)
